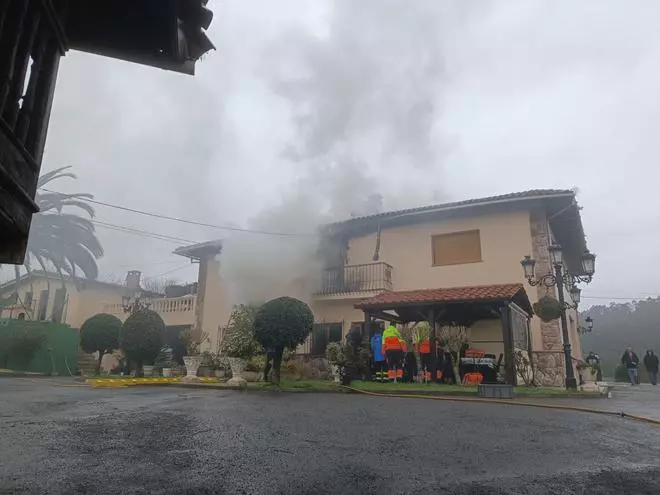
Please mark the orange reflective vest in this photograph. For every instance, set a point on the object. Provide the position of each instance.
(392, 340)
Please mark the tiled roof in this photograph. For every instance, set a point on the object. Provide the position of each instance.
(451, 294)
(532, 193)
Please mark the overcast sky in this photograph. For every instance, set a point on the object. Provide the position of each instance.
(420, 101)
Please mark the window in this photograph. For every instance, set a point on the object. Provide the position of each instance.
(456, 248)
(323, 334)
(43, 305)
(58, 305)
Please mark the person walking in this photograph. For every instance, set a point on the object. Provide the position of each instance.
(630, 361)
(651, 365)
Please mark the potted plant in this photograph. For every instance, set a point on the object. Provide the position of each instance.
(164, 360)
(548, 308)
(193, 339)
(336, 357)
(238, 342)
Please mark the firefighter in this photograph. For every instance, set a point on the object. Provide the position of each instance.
(393, 348)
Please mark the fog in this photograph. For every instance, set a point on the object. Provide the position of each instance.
(307, 109)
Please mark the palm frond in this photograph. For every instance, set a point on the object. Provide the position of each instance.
(55, 174)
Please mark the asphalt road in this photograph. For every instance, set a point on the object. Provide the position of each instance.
(72, 440)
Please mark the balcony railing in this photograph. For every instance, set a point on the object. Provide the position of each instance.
(357, 278)
(165, 306)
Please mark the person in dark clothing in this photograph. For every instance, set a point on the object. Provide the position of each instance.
(270, 357)
(631, 362)
(651, 365)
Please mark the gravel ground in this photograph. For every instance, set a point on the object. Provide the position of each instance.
(67, 439)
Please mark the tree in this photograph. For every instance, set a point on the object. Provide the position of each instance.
(64, 240)
(454, 338)
(142, 337)
(100, 333)
(282, 323)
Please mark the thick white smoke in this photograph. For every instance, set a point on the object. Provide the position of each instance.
(364, 100)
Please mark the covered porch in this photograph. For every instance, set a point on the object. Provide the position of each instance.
(497, 317)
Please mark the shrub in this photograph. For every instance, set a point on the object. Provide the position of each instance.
(238, 340)
(100, 333)
(193, 338)
(165, 358)
(23, 346)
(351, 359)
(142, 337)
(282, 323)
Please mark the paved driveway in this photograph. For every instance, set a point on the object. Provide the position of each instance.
(56, 439)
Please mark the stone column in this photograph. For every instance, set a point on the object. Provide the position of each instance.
(551, 340)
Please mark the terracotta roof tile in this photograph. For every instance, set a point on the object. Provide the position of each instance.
(450, 294)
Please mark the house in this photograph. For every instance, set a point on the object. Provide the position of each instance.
(44, 296)
(463, 258)
(34, 35)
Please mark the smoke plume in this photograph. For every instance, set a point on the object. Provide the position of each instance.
(364, 98)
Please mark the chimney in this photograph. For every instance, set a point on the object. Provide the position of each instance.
(133, 279)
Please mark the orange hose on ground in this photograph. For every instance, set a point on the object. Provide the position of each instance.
(512, 403)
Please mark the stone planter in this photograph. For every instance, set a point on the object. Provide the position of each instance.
(148, 370)
(334, 370)
(219, 373)
(192, 365)
(237, 369)
(167, 372)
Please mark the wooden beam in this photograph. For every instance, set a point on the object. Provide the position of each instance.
(507, 337)
(385, 316)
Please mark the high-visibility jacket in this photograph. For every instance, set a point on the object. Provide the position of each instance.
(392, 340)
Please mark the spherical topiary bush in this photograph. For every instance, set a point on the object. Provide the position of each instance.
(142, 337)
(282, 323)
(100, 333)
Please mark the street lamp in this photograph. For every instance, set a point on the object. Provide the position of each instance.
(560, 279)
(590, 325)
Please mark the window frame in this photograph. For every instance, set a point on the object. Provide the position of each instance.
(434, 262)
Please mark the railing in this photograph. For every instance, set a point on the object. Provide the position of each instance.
(357, 278)
(185, 304)
(31, 43)
(174, 304)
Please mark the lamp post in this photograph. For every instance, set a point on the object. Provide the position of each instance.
(562, 279)
(135, 303)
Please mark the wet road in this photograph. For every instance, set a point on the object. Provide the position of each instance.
(56, 439)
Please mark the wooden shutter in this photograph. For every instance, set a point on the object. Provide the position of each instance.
(456, 248)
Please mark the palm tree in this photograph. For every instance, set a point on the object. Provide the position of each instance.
(65, 241)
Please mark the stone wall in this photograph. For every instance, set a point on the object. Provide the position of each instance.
(551, 359)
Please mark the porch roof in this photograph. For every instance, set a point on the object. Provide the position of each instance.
(459, 304)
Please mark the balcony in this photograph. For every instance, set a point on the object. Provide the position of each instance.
(32, 43)
(356, 279)
(173, 310)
